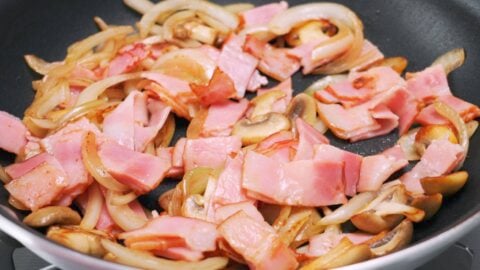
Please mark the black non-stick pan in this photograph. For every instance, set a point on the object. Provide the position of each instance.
(419, 30)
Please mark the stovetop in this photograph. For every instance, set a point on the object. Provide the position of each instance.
(460, 256)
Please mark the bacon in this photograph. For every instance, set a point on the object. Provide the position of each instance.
(351, 164)
(190, 234)
(405, 106)
(362, 86)
(14, 133)
(209, 152)
(221, 117)
(429, 84)
(257, 242)
(368, 56)
(66, 146)
(256, 81)
(129, 124)
(262, 15)
(16, 170)
(440, 157)
(224, 212)
(229, 184)
(275, 62)
(128, 59)
(377, 169)
(308, 136)
(141, 172)
(40, 186)
(220, 88)
(429, 116)
(236, 64)
(299, 183)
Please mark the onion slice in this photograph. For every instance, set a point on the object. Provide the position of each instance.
(451, 60)
(78, 49)
(407, 143)
(140, 6)
(457, 121)
(93, 209)
(94, 165)
(169, 6)
(144, 260)
(39, 65)
(346, 211)
(123, 215)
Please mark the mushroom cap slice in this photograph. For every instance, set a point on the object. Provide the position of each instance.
(396, 239)
(372, 223)
(446, 185)
(257, 129)
(303, 106)
(430, 204)
(52, 215)
(427, 134)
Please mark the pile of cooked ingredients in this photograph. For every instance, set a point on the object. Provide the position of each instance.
(258, 183)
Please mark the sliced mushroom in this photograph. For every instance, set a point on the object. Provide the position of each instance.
(52, 215)
(253, 131)
(263, 103)
(345, 253)
(303, 106)
(446, 185)
(311, 228)
(372, 223)
(430, 204)
(427, 134)
(85, 241)
(387, 211)
(451, 60)
(165, 135)
(165, 199)
(194, 207)
(396, 239)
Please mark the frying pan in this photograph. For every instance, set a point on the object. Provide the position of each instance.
(418, 30)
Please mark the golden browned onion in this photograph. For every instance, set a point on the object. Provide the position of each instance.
(39, 65)
(145, 260)
(169, 6)
(123, 215)
(93, 209)
(85, 241)
(284, 22)
(451, 60)
(94, 165)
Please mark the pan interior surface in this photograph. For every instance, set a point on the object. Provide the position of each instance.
(417, 30)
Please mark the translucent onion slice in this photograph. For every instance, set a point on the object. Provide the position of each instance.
(174, 20)
(123, 215)
(48, 101)
(451, 60)
(39, 65)
(78, 49)
(215, 11)
(165, 135)
(457, 121)
(92, 92)
(84, 109)
(93, 209)
(94, 165)
(145, 260)
(4, 176)
(122, 199)
(346, 211)
(471, 127)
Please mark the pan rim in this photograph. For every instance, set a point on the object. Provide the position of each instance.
(412, 253)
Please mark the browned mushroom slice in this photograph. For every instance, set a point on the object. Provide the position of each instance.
(303, 106)
(85, 241)
(430, 204)
(263, 103)
(295, 222)
(372, 223)
(52, 215)
(427, 134)
(253, 131)
(345, 253)
(446, 185)
(396, 239)
(165, 199)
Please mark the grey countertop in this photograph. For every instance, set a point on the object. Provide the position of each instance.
(461, 256)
